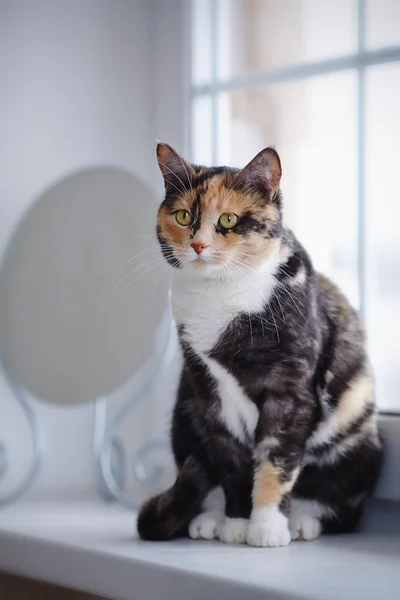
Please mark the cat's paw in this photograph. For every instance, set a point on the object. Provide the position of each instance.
(206, 526)
(304, 527)
(271, 532)
(233, 531)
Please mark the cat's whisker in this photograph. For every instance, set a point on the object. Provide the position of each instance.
(159, 259)
(261, 319)
(248, 311)
(253, 260)
(285, 289)
(242, 263)
(159, 279)
(177, 176)
(190, 179)
(276, 326)
(156, 249)
(153, 249)
(154, 263)
(141, 275)
(247, 267)
(280, 306)
(230, 270)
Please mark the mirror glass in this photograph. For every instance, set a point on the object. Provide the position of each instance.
(83, 287)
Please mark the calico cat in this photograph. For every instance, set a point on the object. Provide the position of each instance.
(274, 430)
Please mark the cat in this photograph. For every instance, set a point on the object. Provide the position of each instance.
(274, 430)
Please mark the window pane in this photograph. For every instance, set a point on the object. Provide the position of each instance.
(268, 34)
(313, 126)
(383, 229)
(383, 23)
(201, 152)
(201, 15)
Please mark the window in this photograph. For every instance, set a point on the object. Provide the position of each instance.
(320, 81)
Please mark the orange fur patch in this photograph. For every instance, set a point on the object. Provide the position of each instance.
(269, 488)
(354, 400)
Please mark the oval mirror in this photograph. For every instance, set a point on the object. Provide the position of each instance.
(82, 287)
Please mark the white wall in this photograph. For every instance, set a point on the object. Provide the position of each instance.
(82, 84)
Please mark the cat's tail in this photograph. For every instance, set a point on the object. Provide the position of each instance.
(168, 515)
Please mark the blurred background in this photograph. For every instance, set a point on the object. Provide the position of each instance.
(91, 85)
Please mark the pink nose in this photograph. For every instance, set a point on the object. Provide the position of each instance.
(198, 247)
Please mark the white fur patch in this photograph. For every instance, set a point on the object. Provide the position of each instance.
(305, 528)
(233, 531)
(268, 527)
(299, 278)
(206, 526)
(263, 448)
(205, 305)
(215, 501)
(238, 413)
(305, 518)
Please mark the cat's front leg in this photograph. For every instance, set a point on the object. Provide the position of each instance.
(281, 434)
(231, 465)
(207, 524)
(237, 488)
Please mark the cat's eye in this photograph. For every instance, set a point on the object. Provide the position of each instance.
(228, 220)
(183, 217)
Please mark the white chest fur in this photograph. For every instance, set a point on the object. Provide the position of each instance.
(205, 307)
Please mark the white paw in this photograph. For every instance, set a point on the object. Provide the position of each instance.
(304, 527)
(272, 532)
(206, 526)
(233, 531)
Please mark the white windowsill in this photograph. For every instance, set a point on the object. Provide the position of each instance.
(91, 546)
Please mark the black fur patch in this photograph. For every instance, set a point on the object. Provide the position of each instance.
(209, 173)
(290, 268)
(196, 211)
(167, 251)
(248, 223)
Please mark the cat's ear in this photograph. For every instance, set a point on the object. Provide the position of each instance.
(263, 173)
(175, 170)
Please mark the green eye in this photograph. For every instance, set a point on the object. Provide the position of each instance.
(228, 220)
(183, 217)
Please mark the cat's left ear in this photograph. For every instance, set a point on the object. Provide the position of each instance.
(175, 170)
(263, 173)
